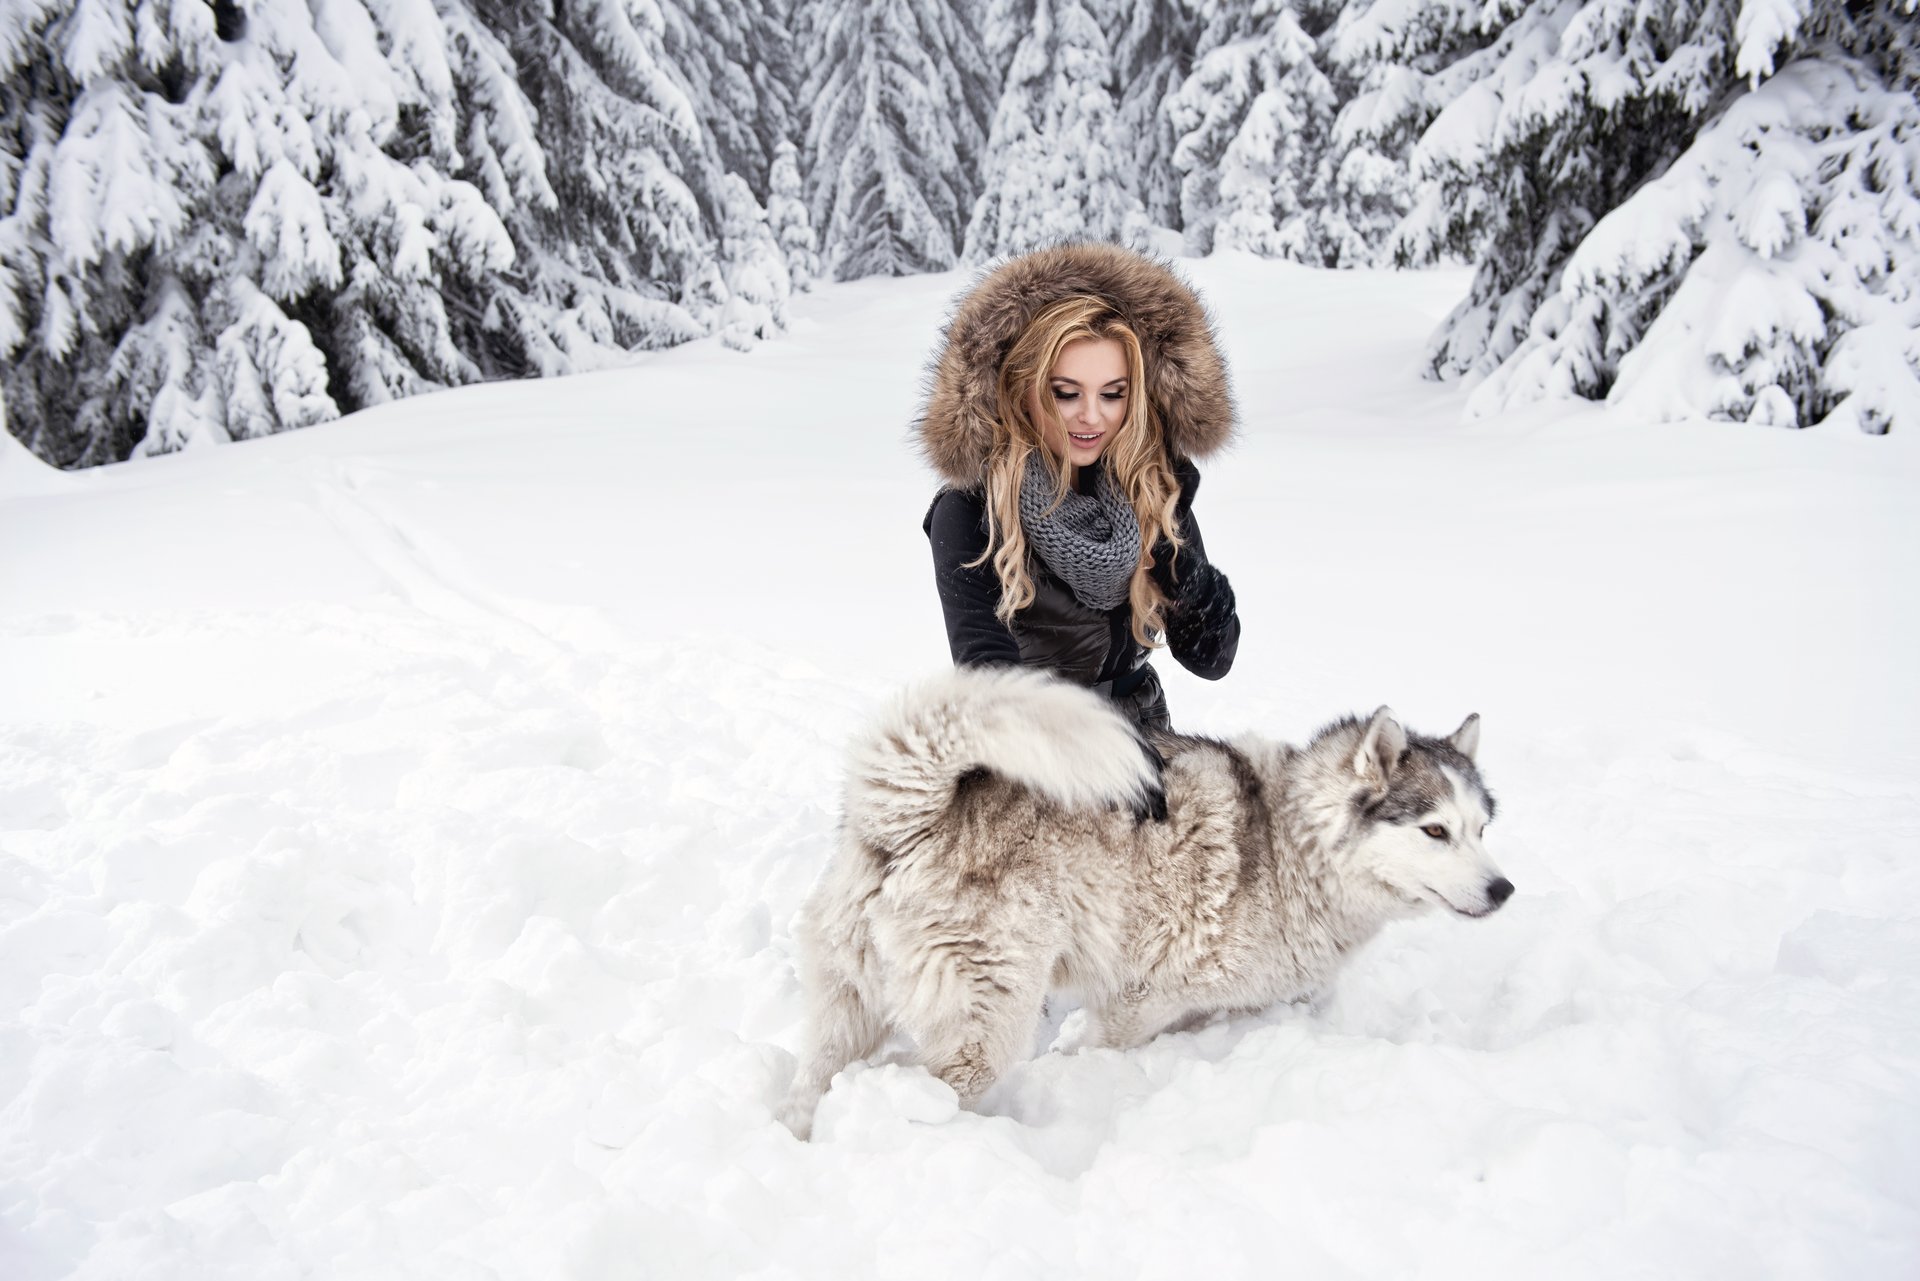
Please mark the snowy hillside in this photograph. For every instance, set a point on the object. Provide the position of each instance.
(402, 820)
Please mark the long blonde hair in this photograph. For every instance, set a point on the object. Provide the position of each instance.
(1136, 458)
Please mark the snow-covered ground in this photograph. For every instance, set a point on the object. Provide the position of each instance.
(401, 824)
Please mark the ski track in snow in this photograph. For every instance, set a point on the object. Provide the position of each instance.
(428, 929)
(420, 577)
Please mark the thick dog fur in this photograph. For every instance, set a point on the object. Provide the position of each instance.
(990, 851)
(1186, 377)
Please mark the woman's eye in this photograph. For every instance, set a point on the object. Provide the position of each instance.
(1065, 395)
(1113, 395)
(1436, 831)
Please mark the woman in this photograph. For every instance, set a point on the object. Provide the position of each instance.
(1076, 386)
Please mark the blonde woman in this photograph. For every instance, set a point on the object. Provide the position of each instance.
(1075, 388)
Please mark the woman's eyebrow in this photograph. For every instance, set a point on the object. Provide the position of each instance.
(1075, 382)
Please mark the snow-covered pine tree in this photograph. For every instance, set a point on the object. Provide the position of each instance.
(182, 182)
(1403, 61)
(1381, 116)
(898, 93)
(1152, 55)
(623, 254)
(738, 61)
(1254, 129)
(1515, 189)
(1051, 171)
(1771, 275)
(788, 220)
(754, 268)
(1003, 24)
(229, 219)
(1755, 167)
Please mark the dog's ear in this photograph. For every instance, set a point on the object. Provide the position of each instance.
(1380, 750)
(1466, 739)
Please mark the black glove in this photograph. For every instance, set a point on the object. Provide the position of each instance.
(1203, 606)
(1202, 622)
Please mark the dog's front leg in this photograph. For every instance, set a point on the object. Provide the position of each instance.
(1132, 1016)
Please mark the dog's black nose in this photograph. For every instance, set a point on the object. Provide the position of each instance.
(1500, 891)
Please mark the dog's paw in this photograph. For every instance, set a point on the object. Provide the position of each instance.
(799, 1123)
(797, 1114)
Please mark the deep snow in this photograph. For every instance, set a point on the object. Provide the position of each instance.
(401, 823)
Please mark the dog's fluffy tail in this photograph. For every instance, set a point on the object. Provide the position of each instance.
(1061, 740)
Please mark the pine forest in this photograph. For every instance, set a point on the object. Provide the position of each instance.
(220, 220)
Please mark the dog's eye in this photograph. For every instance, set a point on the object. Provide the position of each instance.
(1436, 831)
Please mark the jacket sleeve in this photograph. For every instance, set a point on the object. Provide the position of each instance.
(955, 526)
(1203, 621)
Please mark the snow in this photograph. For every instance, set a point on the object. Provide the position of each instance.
(1761, 28)
(402, 822)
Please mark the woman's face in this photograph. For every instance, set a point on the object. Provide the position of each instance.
(1088, 389)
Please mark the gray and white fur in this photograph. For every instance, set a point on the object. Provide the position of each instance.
(991, 851)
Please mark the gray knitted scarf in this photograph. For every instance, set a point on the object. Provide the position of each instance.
(1092, 541)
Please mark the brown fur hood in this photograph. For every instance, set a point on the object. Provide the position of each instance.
(1186, 377)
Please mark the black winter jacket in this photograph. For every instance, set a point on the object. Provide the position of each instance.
(1056, 631)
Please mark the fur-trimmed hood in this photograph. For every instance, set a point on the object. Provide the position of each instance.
(1186, 377)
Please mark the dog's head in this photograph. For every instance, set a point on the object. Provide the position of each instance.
(1422, 812)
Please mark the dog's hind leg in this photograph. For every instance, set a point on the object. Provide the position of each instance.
(842, 1024)
(841, 1027)
(975, 1012)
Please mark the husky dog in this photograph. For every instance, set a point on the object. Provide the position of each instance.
(992, 848)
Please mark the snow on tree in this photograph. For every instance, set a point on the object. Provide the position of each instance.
(755, 270)
(619, 255)
(1405, 60)
(183, 185)
(1771, 275)
(218, 221)
(1783, 216)
(620, 243)
(1003, 25)
(1521, 158)
(1152, 56)
(899, 92)
(738, 61)
(165, 363)
(1052, 172)
(272, 374)
(1254, 129)
(788, 220)
(1383, 111)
